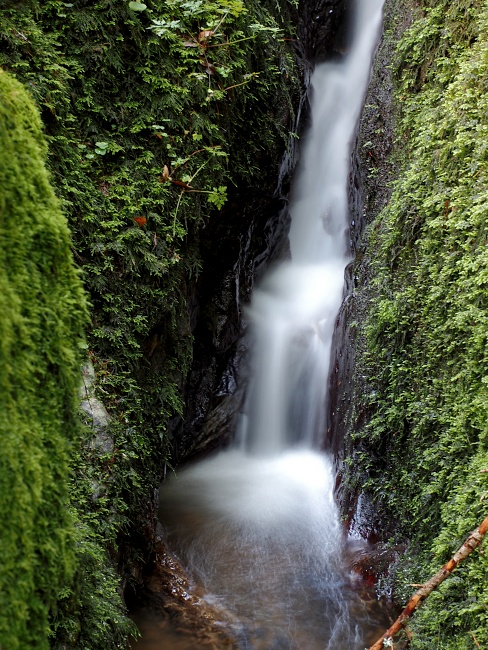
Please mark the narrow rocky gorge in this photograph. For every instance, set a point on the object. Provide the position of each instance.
(173, 132)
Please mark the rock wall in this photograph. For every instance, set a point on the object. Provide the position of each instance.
(414, 413)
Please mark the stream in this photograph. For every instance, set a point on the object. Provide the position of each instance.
(257, 525)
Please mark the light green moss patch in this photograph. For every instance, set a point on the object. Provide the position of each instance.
(42, 309)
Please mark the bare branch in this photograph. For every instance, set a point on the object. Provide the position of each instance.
(473, 541)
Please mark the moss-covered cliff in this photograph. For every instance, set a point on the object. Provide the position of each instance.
(166, 122)
(154, 116)
(419, 433)
(43, 311)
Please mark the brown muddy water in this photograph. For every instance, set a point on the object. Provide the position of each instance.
(263, 561)
(202, 621)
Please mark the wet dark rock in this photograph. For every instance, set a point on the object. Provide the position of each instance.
(173, 608)
(369, 191)
(214, 391)
(322, 28)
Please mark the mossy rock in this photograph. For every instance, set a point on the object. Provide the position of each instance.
(43, 310)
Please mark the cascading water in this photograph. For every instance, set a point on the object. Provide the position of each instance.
(258, 525)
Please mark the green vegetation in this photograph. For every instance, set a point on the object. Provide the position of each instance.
(425, 447)
(153, 113)
(41, 339)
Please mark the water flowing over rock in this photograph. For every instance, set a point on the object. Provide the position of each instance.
(372, 171)
(252, 235)
(257, 525)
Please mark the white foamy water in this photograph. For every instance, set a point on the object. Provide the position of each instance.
(258, 525)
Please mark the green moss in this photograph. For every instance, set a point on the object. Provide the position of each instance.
(43, 309)
(427, 331)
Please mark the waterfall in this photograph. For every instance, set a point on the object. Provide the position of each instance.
(294, 310)
(258, 525)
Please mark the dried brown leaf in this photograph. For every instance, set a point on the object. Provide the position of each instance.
(165, 174)
(205, 34)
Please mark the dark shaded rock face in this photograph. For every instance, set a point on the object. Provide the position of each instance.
(371, 173)
(236, 249)
(322, 28)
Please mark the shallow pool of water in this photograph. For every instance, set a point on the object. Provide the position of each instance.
(307, 621)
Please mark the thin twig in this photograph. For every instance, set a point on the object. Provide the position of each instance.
(241, 84)
(176, 212)
(188, 189)
(239, 40)
(216, 146)
(475, 640)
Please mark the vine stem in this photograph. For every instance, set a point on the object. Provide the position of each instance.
(183, 190)
(216, 146)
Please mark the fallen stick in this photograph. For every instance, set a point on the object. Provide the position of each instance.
(473, 541)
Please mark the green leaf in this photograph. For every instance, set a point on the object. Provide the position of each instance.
(101, 148)
(218, 196)
(137, 6)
